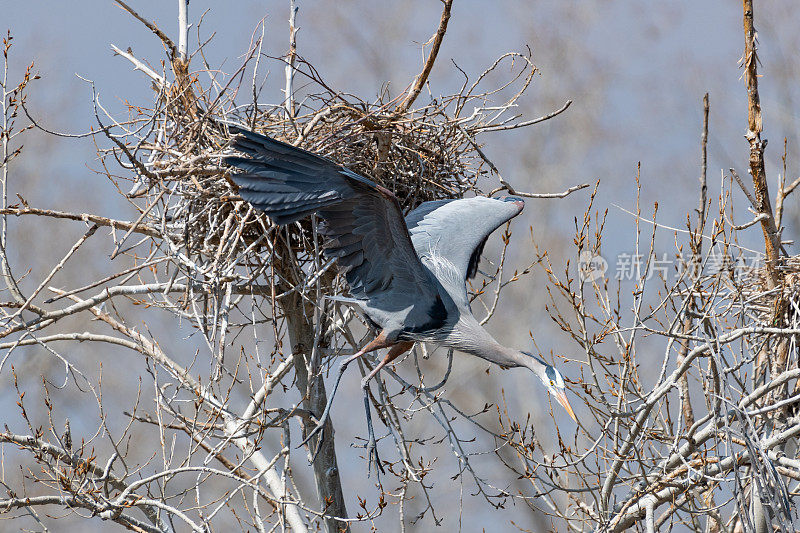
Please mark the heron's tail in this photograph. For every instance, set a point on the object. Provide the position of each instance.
(284, 181)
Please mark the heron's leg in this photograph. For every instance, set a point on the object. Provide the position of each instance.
(375, 344)
(372, 447)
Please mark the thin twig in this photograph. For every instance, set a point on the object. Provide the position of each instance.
(524, 123)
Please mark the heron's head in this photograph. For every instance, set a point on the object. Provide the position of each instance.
(553, 382)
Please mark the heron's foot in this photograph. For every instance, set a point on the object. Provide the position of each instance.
(372, 445)
(372, 456)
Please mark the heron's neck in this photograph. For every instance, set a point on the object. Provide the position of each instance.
(477, 341)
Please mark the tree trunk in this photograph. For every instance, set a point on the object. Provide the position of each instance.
(326, 470)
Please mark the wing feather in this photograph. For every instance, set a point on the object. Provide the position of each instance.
(362, 220)
(457, 230)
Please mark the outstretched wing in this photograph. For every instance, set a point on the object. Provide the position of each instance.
(366, 230)
(456, 230)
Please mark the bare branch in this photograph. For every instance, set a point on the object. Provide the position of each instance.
(419, 81)
(139, 65)
(291, 56)
(524, 123)
(772, 244)
(171, 48)
(143, 229)
(183, 30)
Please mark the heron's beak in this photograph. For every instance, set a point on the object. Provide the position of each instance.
(561, 396)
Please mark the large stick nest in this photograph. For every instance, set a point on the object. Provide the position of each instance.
(185, 193)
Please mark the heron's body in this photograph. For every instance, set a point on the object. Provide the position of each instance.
(407, 274)
(445, 319)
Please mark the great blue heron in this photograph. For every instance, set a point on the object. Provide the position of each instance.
(408, 276)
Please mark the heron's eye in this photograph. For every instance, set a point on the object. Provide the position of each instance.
(552, 384)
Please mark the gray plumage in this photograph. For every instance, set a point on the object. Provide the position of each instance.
(407, 274)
